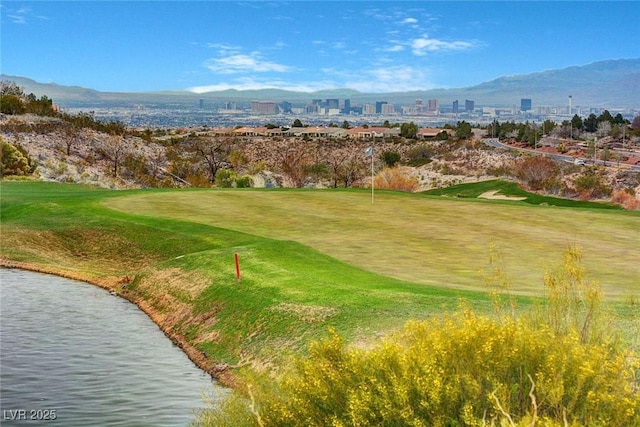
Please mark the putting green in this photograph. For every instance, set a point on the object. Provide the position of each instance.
(421, 239)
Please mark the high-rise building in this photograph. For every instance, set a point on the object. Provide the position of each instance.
(434, 105)
(388, 109)
(455, 106)
(347, 107)
(379, 105)
(332, 104)
(469, 105)
(525, 104)
(263, 107)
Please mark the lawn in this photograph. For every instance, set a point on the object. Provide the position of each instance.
(425, 240)
(309, 259)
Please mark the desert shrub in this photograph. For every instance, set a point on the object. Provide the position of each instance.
(537, 173)
(225, 178)
(626, 199)
(591, 184)
(551, 368)
(395, 179)
(244, 181)
(14, 160)
(228, 178)
(390, 158)
(320, 170)
(463, 370)
(419, 155)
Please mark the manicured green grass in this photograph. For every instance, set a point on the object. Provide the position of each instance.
(433, 241)
(309, 259)
(512, 189)
(289, 293)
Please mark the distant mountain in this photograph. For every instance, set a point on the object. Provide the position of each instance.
(614, 83)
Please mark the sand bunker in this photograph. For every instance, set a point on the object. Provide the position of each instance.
(493, 195)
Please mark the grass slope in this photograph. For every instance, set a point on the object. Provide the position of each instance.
(512, 189)
(426, 240)
(289, 293)
(309, 259)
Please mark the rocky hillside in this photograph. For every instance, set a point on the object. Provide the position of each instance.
(63, 152)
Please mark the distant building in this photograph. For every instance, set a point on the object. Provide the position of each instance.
(347, 107)
(388, 109)
(379, 105)
(434, 106)
(201, 103)
(332, 104)
(525, 104)
(263, 107)
(286, 107)
(455, 106)
(369, 109)
(469, 106)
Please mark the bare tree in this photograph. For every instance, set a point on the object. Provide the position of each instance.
(603, 129)
(214, 152)
(114, 150)
(293, 160)
(71, 137)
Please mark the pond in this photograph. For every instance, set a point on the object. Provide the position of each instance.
(72, 354)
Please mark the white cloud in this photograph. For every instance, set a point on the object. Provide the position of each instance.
(409, 21)
(222, 47)
(257, 84)
(19, 16)
(240, 63)
(399, 78)
(395, 48)
(424, 45)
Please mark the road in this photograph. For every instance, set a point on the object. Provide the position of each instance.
(495, 142)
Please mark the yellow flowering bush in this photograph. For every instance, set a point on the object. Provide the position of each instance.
(552, 367)
(465, 370)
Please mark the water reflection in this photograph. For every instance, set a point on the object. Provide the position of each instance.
(93, 358)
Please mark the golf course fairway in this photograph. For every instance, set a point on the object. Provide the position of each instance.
(309, 260)
(426, 240)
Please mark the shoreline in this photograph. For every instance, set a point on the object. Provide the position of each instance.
(218, 372)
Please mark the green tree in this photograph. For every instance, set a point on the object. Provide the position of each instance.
(11, 104)
(346, 125)
(619, 120)
(463, 130)
(606, 117)
(548, 126)
(297, 124)
(576, 122)
(409, 130)
(591, 123)
(390, 158)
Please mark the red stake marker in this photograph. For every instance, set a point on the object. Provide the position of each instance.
(237, 268)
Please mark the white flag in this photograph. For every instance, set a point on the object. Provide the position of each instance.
(368, 152)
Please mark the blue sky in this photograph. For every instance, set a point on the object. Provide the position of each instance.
(371, 46)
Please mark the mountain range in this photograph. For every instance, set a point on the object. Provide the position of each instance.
(604, 84)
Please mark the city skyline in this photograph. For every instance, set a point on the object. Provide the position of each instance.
(372, 47)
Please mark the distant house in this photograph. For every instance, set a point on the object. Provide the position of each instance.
(223, 131)
(316, 131)
(373, 132)
(257, 131)
(428, 133)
